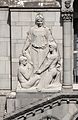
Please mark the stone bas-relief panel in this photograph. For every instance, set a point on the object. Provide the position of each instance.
(39, 62)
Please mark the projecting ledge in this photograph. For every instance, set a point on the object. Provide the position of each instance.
(53, 88)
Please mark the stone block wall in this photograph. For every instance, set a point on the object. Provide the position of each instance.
(21, 21)
(4, 49)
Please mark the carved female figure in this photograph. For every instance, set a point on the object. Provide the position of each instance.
(25, 73)
(37, 42)
(50, 67)
(41, 66)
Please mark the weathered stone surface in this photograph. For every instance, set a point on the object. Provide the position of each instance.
(25, 16)
(67, 42)
(16, 49)
(16, 32)
(5, 83)
(24, 31)
(2, 106)
(21, 23)
(61, 103)
(59, 33)
(4, 15)
(68, 52)
(2, 68)
(68, 63)
(68, 77)
(14, 16)
(4, 49)
(11, 105)
(4, 31)
(40, 58)
(15, 68)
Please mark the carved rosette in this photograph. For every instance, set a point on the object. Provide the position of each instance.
(67, 15)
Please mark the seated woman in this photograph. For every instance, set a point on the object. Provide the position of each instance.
(26, 77)
(50, 67)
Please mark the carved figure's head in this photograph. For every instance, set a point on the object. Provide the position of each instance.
(52, 46)
(22, 60)
(39, 20)
(67, 3)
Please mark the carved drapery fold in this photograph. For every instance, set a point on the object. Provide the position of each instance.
(39, 64)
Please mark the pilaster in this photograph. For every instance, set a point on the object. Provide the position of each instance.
(67, 15)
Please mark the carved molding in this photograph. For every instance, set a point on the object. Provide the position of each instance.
(67, 15)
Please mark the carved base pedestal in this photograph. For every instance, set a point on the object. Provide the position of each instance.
(56, 87)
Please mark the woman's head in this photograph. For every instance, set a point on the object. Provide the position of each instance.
(39, 20)
(22, 60)
(52, 46)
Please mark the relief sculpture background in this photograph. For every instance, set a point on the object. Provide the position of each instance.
(40, 61)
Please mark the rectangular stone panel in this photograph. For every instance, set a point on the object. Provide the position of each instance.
(67, 27)
(14, 83)
(67, 52)
(67, 64)
(16, 32)
(2, 67)
(4, 49)
(57, 16)
(17, 49)
(4, 31)
(14, 16)
(14, 68)
(4, 15)
(2, 106)
(3, 22)
(25, 29)
(7, 67)
(4, 83)
(49, 16)
(6, 39)
(57, 32)
(49, 24)
(24, 16)
(21, 22)
(10, 105)
(67, 77)
(4, 76)
(68, 41)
